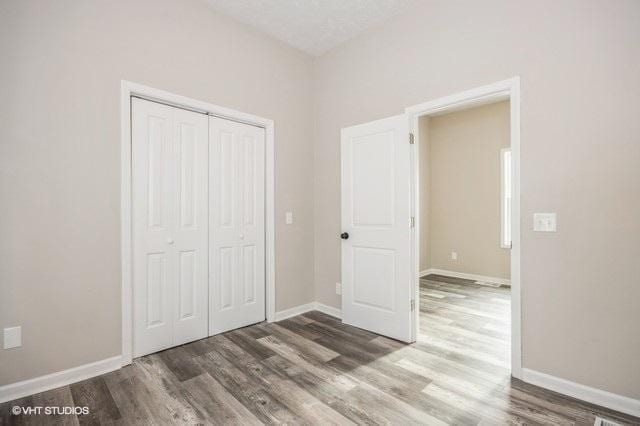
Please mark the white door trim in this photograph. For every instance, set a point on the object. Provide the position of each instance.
(128, 89)
(505, 89)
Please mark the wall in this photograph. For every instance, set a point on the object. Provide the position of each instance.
(424, 199)
(579, 62)
(463, 186)
(60, 156)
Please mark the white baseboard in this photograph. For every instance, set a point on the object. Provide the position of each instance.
(61, 378)
(307, 307)
(329, 310)
(606, 399)
(463, 275)
(296, 310)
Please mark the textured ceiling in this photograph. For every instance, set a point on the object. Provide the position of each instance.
(314, 26)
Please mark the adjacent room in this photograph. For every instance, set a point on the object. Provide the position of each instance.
(319, 212)
(465, 235)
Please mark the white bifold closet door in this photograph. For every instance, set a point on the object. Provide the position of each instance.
(170, 237)
(237, 225)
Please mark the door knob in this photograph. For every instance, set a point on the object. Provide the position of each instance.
(344, 235)
(169, 240)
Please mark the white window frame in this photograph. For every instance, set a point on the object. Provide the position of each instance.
(506, 197)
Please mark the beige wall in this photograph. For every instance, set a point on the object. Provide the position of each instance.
(424, 200)
(59, 156)
(62, 62)
(463, 189)
(579, 62)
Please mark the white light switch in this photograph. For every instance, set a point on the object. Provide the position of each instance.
(12, 337)
(289, 218)
(544, 222)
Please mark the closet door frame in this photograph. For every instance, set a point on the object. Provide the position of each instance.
(127, 91)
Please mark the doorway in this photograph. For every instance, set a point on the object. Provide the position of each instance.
(381, 222)
(207, 175)
(464, 170)
(506, 213)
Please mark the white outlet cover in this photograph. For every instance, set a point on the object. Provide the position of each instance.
(338, 288)
(454, 255)
(289, 218)
(12, 337)
(544, 222)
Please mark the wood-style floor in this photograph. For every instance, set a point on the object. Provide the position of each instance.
(312, 369)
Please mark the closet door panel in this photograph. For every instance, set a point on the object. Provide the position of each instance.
(236, 224)
(252, 144)
(153, 266)
(170, 226)
(191, 224)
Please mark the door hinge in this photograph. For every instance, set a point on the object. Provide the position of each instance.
(413, 222)
(411, 138)
(413, 305)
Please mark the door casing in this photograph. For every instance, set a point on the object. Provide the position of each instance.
(129, 89)
(501, 90)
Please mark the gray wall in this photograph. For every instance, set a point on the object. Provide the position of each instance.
(62, 62)
(579, 61)
(460, 190)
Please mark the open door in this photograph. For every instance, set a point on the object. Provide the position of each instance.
(376, 227)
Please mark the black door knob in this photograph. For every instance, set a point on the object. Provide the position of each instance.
(344, 236)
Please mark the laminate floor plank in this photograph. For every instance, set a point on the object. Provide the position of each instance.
(60, 397)
(245, 387)
(309, 348)
(95, 395)
(382, 364)
(249, 344)
(163, 393)
(7, 417)
(327, 392)
(180, 364)
(397, 388)
(131, 396)
(220, 406)
(300, 328)
(297, 400)
(313, 369)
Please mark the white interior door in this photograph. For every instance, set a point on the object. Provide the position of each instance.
(376, 210)
(169, 171)
(237, 223)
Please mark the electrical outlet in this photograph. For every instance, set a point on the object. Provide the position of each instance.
(289, 218)
(338, 288)
(12, 337)
(544, 222)
(454, 255)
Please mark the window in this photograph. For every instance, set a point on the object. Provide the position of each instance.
(505, 208)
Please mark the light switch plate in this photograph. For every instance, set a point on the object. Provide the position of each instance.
(338, 288)
(289, 218)
(544, 222)
(12, 337)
